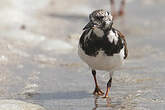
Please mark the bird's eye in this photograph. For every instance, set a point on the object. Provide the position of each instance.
(99, 17)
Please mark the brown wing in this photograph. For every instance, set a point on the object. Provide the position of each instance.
(125, 43)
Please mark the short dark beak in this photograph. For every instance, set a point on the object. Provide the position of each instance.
(89, 25)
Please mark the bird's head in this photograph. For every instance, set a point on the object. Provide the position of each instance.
(100, 19)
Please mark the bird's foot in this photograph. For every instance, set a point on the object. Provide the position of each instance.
(98, 91)
(106, 96)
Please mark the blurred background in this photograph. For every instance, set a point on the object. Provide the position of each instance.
(39, 61)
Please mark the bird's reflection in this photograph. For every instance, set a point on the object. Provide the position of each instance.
(101, 102)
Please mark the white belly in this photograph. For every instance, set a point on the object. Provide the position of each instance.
(101, 61)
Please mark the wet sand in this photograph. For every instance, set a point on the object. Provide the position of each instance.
(39, 61)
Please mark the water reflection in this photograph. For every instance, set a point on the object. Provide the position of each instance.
(105, 103)
(100, 103)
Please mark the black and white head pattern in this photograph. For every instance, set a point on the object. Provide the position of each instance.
(100, 19)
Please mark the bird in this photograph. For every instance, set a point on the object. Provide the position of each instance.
(102, 47)
(121, 10)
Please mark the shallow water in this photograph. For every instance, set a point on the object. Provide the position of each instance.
(35, 68)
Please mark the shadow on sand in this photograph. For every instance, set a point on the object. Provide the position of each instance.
(61, 95)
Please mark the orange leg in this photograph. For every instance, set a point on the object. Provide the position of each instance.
(108, 87)
(121, 11)
(112, 3)
(97, 90)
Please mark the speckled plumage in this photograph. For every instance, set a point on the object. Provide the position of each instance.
(102, 53)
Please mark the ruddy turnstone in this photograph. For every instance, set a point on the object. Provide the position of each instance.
(101, 46)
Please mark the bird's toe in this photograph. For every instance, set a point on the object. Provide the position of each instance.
(98, 91)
